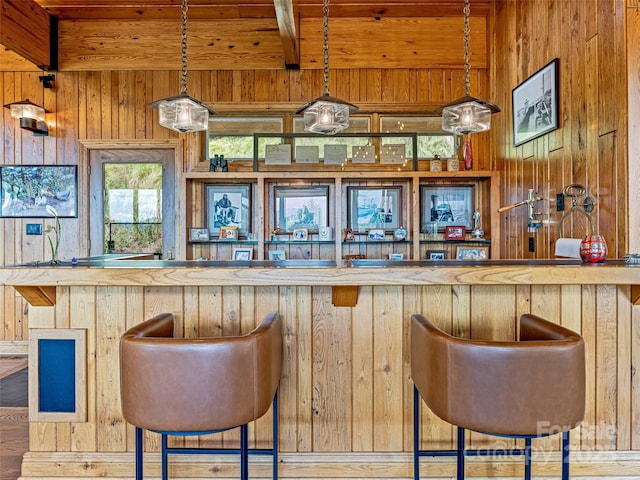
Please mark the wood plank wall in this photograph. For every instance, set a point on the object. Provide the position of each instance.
(346, 384)
(590, 147)
(112, 105)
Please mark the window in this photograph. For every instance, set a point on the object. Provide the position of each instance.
(432, 140)
(233, 136)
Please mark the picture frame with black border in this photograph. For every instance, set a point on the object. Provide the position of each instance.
(436, 255)
(536, 104)
(227, 205)
(27, 190)
(450, 204)
(301, 208)
(374, 208)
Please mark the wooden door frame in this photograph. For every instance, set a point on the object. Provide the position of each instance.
(87, 147)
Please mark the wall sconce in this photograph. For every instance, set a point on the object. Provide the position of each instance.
(31, 117)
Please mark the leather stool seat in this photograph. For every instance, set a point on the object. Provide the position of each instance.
(195, 386)
(522, 389)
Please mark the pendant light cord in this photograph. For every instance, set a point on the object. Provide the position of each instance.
(325, 50)
(184, 48)
(467, 35)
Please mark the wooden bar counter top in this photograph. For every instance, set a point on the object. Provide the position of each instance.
(346, 391)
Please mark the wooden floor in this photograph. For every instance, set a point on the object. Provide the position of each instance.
(14, 426)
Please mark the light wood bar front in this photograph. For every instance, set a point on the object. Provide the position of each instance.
(346, 391)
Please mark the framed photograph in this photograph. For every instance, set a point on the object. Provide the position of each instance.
(301, 208)
(376, 234)
(436, 255)
(455, 232)
(228, 233)
(277, 255)
(536, 104)
(198, 234)
(374, 208)
(348, 235)
(446, 205)
(472, 253)
(301, 234)
(396, 256)
(228, 205)
(38, 190)
(242, 253)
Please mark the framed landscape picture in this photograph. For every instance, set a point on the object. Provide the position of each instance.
(300, 208)
(27, 191)
(374, 208)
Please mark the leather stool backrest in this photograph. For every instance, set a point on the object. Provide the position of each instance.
(528, 387)
(195, 385)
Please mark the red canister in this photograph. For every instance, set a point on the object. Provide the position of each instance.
(593, 249)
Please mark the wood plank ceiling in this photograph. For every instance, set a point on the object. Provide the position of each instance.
(288, 14)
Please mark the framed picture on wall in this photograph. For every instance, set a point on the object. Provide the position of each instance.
(444, 205)
(374, 208)
(472, 253)
(301, 208)
(536, 104)
(38, 190)
(228, 205)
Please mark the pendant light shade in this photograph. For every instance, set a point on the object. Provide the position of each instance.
(467, 114)
(326, 115)
(183, 113)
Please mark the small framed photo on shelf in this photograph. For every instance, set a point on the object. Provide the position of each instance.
(436, 255)
(446, 205)
(242, 253)
(301, 234)
(301, 207)
(277, 255)
(472, 253)
(455, 232)
(228, 205)
(376, 234)
(396, 256)
(348, 235)
(373, 208)
(198, 234)
(229, 233)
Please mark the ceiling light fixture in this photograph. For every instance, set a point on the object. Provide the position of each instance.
(467, 114)
(326, 114)
(183, 113)
(31, 117)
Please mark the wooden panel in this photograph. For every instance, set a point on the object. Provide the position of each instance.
(26, 30)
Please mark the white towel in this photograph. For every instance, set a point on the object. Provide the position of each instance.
(568, 247)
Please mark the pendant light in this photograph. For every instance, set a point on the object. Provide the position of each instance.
(183, 113)
(467, 114)
(326, 114)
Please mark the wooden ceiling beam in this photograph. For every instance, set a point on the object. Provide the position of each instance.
(287, 27)
(28, 30)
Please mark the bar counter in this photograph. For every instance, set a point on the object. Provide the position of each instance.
(346, 391)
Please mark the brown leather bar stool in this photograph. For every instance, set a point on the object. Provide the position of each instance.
(525, 389)
(184, 386)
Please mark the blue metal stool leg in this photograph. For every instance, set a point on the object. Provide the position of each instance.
(244, 452)
(527, 458)
(460, 454)
(139, 454)
(565, 455)
(165, 468)
(275, 437)
(416, 434)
